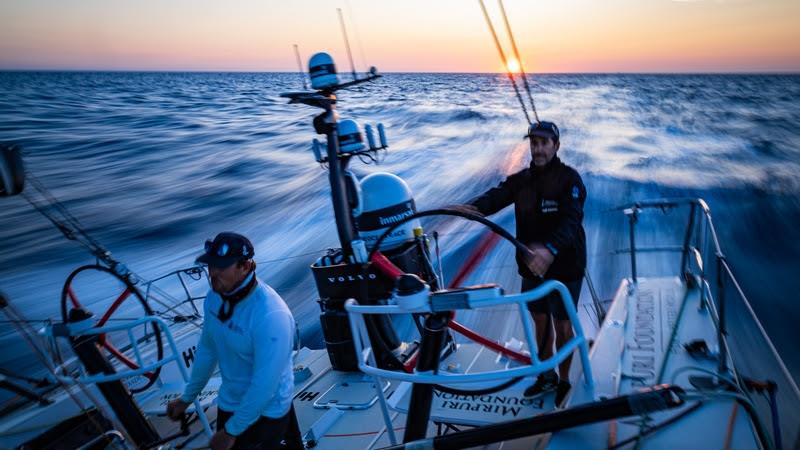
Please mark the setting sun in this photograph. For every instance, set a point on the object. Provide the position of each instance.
(513, 65)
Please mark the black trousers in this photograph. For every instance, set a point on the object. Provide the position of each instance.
(266, 433)
(552, 303)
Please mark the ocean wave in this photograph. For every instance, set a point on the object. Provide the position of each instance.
(146, 159)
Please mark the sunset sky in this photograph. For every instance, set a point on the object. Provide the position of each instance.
(405, 36)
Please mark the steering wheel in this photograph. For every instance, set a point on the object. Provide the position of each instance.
(475, 217)
(69, 300)
(456, 212)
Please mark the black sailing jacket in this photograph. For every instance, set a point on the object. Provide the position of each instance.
(548, 206)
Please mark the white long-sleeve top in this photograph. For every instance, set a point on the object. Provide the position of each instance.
(254, 352)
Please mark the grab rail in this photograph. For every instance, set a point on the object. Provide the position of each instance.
(77, 329)
(366, 360)
(194, 273)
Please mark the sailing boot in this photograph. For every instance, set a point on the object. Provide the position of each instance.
(545, 382)
(562, 389)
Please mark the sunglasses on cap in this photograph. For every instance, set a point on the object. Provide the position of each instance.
(223, 250)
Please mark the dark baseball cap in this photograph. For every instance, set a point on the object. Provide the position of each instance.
(543, 129)
(226, 249)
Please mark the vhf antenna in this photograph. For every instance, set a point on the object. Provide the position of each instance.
(347, 44)
(300, 67)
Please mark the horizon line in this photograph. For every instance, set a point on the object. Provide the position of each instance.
(348, 74)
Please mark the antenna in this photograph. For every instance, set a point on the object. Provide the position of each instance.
(519, 60)
(505, 62)
(347, 43)
(354, 25)
(300, 67)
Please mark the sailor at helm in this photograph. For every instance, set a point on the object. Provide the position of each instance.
(249, 331)
(548, 200)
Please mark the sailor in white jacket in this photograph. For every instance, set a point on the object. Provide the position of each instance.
(248, 331)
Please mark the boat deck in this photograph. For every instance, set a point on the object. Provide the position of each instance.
(636, 348)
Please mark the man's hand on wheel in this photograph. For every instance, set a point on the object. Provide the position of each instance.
(176, 409)
(540, 259)
(221, 441)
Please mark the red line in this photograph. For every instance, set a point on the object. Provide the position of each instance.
(487, 242)
(488, 343)
(113, 307)
(731, 423)
(72, 297)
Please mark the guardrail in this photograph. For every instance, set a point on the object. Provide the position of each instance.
(367, 361)
(80, 329)
(153, 291)
(366, 358)
(702, 257)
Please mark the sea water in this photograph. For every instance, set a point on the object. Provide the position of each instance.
(152, 164)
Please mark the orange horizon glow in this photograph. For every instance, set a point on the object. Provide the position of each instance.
(410, 36)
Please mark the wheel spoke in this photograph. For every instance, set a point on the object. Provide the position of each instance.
(113, 307)
(124, 359)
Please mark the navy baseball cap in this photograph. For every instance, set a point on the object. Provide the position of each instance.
(226, 249)
(543, 129)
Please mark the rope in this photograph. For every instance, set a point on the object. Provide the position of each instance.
(300, 67)
(347, 44)
(505, 62)
(351, 16)
(731, 423)
(61, 209)
(650, 430)
(598, 306)
(519, 60)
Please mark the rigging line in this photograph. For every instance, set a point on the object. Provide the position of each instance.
(42, 208)
(347, 43)
(505, 62)
(169, 307)
(300, 67)
(66, 216)
(53, 201)
(356, 33)
(266, 261)
(519, 60)
(76, 227)
(68, 232)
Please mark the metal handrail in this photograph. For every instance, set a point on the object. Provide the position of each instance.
(360, 336)
(74, 330)
(188, 297)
